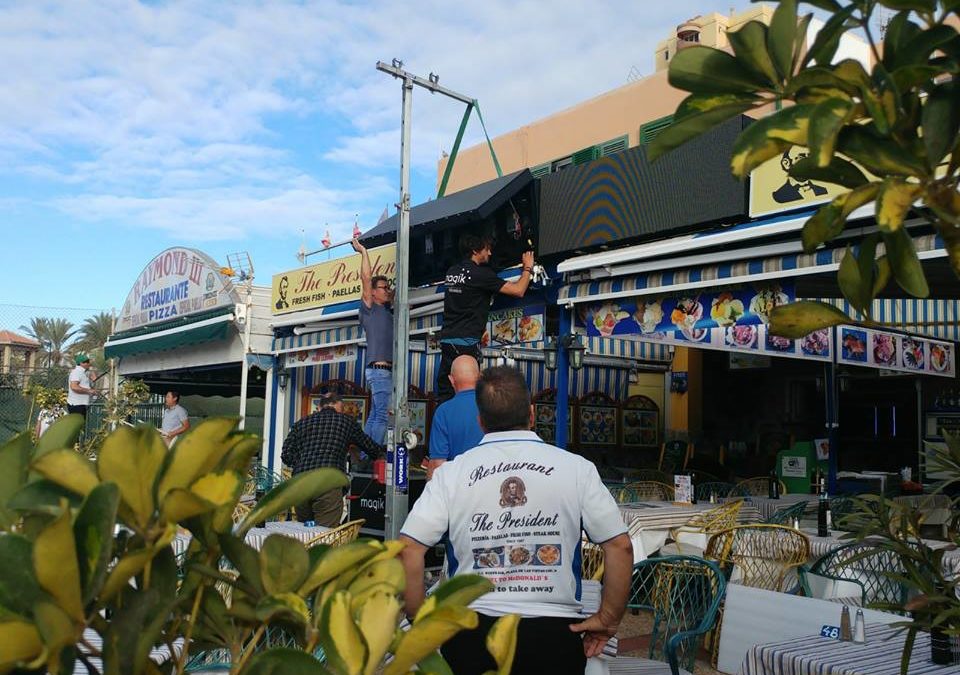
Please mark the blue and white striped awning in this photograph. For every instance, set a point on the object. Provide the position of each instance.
(723, 274)
(936, 318)
(329, 337)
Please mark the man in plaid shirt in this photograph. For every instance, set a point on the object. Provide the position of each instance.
(321, 440)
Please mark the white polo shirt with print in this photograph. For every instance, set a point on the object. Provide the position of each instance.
(514, 508)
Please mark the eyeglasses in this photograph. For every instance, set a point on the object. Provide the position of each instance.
(382, 287)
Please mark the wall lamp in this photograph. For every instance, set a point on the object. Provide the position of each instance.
(283, 377)
(571, 343)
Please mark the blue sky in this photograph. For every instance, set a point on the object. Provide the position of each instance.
(129, 127)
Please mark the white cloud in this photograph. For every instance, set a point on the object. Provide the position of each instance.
(227, 120)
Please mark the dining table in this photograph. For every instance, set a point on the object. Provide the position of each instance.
(819, 655)
(649, 523)
(767, 506)
(257, 535)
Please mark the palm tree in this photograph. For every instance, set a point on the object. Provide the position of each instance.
(59, 333)
(94, 332)
(39, 330)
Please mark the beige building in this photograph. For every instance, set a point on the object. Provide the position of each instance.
(618, 119)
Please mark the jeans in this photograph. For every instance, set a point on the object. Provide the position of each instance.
(381, 386)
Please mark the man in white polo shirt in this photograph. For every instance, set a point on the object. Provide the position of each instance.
(513, 508)
(79, 386)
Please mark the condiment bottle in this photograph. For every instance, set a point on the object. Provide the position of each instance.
(845, 624)
(859, 629)
(823, 510)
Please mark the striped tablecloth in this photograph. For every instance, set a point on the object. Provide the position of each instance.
(767, 507)
(819, 546)
(879, 655)
(257, 535)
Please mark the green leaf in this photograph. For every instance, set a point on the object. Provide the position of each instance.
(941, 122)
(750, 47)
(245, 558)
(461, 590)
(63, 433)
(69, 469)
(705, 70)
(19, 643)
(19, 589)
(425, 636)
(828, 37)
(283, 564)
(434, 664)
(782, 36)
(768, 137)
(132, 563)
(894, 201)
(131, 458)
(803, 317)
(180, 505)
(14, 460)
(198, 452)
(825, 5)
(826, 120)
(55, 563)
(905, 264)
(336, 560)
(918, 5)
(133, 630)
(830, 219)
(878, 155)
(44, 496)
(502, 642)
(283, 661)
(883, 275)
(288, 606)
(57, 630)
(694, 124)
(295, 491)
(900, 30)
(852, 285)
(377, 621)
(817, 77)
(912, 77)
(920, 46)
(341, 639)
(839, 172)
(907, 650)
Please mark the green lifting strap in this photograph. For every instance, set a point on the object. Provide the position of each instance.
(456, 147)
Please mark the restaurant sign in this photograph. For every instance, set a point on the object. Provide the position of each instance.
(321, 356)
(692, 315)
(895, 351)
(328, 283)
(178, 282)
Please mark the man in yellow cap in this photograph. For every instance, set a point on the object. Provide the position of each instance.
(79, 387)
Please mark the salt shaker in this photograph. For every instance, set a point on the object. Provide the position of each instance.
(796, 523)
(845, 624)
(859, 630)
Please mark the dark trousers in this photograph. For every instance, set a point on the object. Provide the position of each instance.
(544, 645)
(325, 510)
(77, 410)
(448, 353)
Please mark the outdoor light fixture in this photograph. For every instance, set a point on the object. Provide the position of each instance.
(283, 377)
(571, 343)
(550, 353)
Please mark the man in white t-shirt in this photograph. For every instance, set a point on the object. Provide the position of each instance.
(175, 418)
(513, 508)
(79, 387)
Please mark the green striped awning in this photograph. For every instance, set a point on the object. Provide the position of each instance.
(190, 330)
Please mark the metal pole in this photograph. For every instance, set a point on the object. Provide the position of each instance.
(398, 462)
(244, 373)
(563, 380)
(398, 465)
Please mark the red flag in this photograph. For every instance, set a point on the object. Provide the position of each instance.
(356, 229)
(326, 241)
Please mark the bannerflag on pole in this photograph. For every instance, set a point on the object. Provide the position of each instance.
(326, 241)
(356, 226)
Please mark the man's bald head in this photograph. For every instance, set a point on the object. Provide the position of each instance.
(464, 373)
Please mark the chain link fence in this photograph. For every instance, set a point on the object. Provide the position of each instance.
(37, 345)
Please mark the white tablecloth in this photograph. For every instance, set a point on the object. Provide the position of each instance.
(649, 523)
(816, 655)
(257, 535)
(767, 507)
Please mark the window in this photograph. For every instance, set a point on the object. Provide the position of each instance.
(650, 130)
(585, 155)
(613, 146)
(560, 164)
(540, 170)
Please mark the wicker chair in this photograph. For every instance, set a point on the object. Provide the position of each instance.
(856, 569)
(759, 556)
(339, 536)
(591, 556)
(645, 491)
(786, 515)
(698, 530)
(637, 475)
(682, 594)
(719, 489)
(755, 487)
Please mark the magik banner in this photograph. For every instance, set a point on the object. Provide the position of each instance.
(328, 283)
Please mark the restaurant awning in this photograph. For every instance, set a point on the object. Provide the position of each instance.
(475, 203)
(190, 330)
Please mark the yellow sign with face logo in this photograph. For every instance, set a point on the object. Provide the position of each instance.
(328, 283)
(772, 190)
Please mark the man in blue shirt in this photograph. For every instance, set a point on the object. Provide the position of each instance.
(456, 425)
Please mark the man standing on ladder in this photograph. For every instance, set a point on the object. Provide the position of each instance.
(376, 318)
(470, 287)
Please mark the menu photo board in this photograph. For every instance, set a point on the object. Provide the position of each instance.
(682, 489)
(514, 325)
(598, 418)
(753, 339)
(876, 348)
(321, 355)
